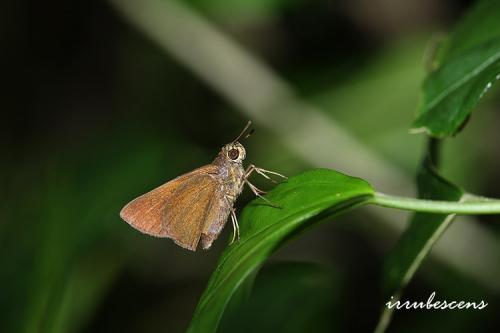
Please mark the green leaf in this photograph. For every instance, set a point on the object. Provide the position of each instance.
(314, 287)
(305, 199)
(417, 240)
(467, 65)
(240, 7)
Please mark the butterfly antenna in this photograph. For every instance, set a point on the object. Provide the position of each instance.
(248, 134)
(249, 123)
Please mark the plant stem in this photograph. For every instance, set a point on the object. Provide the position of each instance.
(469, 205)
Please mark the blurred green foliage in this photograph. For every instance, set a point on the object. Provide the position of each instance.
(304, 298)
(96, 114)
(418, 239)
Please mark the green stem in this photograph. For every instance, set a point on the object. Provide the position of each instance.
(469, 205)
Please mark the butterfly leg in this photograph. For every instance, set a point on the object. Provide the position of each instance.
(263, 172)
(236, 227)
(234, 219)
(259, 193)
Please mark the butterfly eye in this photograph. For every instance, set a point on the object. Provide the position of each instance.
(233, 154)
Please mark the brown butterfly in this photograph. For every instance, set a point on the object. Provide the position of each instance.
(196, 205)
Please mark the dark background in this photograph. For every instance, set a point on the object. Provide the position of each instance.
(94, 114)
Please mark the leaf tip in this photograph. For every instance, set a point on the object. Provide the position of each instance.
(419, 130)
(428, 131)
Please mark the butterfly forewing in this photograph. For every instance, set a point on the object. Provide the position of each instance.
(146, 213)
(192, 206)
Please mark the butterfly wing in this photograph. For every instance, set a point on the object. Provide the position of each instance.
(146, 213)
(195, 204)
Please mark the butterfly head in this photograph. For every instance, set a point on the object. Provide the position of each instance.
(234, 152)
